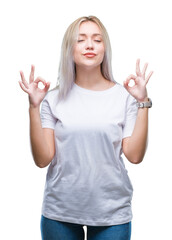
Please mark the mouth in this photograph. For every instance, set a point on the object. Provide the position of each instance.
(90, 54)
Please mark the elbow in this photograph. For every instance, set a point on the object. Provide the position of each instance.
(42, 161)
(41, 165)
(133, 152)
(134, 156)
(136, 159)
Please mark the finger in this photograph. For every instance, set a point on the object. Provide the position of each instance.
(31, 78)
(148, 77)
(23, 87)
(127, 81)
(125, 84)
(138, 67)
(39, 79)
(47, 85)
(130, 77)
(144, 69)
(127, 87)
(24, 80)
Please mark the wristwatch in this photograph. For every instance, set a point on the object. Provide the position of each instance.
(147, 104)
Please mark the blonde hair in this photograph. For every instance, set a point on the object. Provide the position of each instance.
(67, 74)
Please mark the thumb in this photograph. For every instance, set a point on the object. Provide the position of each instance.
(47, 86)
(125, 83)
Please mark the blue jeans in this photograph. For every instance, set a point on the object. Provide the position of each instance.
(57, 230)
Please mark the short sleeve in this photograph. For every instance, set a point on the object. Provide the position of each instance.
(130, 116)
(47, 118)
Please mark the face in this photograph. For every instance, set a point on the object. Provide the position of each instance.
(89, 48)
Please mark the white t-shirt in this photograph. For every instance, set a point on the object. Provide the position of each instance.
(87, 182)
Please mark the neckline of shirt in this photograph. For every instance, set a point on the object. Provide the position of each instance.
(94, 92)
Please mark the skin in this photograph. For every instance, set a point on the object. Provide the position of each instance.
(42, 139)
(89, 76)
(88, 69)
(134, 147)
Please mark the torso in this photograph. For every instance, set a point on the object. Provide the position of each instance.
(87, 182)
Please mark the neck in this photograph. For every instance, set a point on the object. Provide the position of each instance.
(89, 78)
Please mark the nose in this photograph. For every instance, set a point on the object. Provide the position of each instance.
(89, 44)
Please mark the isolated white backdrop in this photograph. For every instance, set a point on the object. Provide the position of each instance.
(31, 33)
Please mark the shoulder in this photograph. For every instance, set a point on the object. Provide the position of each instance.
(122, 91)
(124, 97)
(52, 94)
(51, 98)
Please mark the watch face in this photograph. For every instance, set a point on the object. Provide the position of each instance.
(141, 105)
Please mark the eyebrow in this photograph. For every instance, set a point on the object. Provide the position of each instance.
(94, 34)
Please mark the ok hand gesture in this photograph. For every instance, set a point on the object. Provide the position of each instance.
(36, 94)
(138, 91)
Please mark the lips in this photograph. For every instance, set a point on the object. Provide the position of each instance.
(90, 54)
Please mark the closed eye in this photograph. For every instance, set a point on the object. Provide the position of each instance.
(81, 40)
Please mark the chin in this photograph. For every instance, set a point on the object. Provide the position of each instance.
(89, 64)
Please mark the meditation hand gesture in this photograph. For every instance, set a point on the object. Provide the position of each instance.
(36, 94)
(138, 91)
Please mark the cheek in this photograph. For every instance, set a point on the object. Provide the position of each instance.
(101, 49)
(76, 52)
(102, 52)
(78, 48)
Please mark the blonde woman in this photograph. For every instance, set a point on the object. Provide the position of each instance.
(85, 124)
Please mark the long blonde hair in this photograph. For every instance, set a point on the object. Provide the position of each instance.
(67, 74)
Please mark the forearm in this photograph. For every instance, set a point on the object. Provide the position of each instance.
(40, 150)
(134, 147)
(138, 141)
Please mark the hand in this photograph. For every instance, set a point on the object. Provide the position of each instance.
(138, 91)
(36, 94)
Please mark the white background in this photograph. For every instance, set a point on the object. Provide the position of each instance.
(31, 33)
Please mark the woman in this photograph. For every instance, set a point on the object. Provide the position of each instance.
(85, 124)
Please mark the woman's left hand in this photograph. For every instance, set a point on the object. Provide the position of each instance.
(138, 91)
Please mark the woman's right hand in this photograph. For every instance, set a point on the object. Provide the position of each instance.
(36, 95)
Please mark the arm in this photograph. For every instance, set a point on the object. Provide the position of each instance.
(42, 140)
(134, 147)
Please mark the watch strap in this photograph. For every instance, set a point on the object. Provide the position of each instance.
(147, 104)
